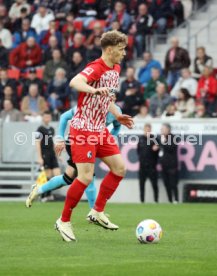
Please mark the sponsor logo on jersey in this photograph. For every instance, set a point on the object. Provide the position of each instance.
(88, 71)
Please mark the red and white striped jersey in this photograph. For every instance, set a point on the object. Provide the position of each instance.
(92, 109)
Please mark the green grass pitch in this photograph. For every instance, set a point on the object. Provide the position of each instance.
(30, 246)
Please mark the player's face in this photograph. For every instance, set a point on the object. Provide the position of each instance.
(165, 130)
(47, 119)
(118, 53)
(147, 130)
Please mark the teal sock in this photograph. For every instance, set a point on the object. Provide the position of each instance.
(53, 184)
(91, 193)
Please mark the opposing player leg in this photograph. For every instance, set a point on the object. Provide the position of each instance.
(34, 191)
(49, 174)
(54, 183)
(73, 196)
(54, 171)
(91, 193)
(107, 189)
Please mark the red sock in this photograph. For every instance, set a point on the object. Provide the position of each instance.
(73, 196)
(107, 189)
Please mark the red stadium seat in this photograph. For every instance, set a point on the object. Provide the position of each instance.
(170, 23)
(92, 23)
(130, 46)
(39, 73)
(78, 25)
(13, 73)
(19, 90)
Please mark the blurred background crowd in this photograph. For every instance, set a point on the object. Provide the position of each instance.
(43, 44)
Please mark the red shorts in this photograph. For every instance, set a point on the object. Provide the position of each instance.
(87, 145)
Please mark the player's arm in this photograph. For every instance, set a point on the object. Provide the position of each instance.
(116, 125)
(60, 142)
(64, 118)
(38, 149)
(79, 83)
(121, 118)
(116, 128)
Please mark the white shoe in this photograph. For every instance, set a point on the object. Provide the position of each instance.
(99, 218)
(32, 196)
(65, 230)
(47, 198)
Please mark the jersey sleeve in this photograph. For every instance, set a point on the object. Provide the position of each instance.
(91, 72)
(39, 134)
(64, 118)
(116, 125)
(53, 131)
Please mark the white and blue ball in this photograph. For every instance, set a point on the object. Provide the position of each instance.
(149, 231)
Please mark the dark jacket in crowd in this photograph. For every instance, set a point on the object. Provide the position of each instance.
(47, 55)
(147, 156)
(62, 90)
(180, 61)
(3, 57)
(27, 84)
(73, 49)
(13, 98)
(131, 103)
(93, 54)
(144, 24)
(207, 61)
(10, 82)
(162, 10)
(168, 153)
(75, 69)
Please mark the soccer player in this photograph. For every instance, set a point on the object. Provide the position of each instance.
(67, 178)
(45, 148)
(89, 136)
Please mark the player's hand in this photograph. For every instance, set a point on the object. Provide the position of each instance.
(59, 147)
(104, 91)
(40, 161)
(126, 120)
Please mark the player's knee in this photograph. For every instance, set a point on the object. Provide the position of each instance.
(119, 170)
(86, 178)
(89, 179)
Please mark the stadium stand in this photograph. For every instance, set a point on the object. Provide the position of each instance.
(42, 39)
(38, 28)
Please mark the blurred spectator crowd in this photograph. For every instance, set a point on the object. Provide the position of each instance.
(43, 44)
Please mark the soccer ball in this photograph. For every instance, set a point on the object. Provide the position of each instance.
(149, 231)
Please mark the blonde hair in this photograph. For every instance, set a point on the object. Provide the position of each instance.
(113, 38)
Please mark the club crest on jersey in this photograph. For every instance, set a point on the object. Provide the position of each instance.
(88, 71)
(89, 154)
